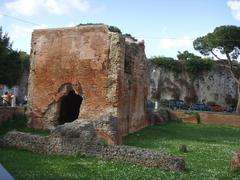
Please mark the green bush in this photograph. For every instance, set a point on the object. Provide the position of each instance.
(198, 117)
(210, 103)
(164, 102)
(190, 114)
(114, 29)
(168, 63)
(129, 36)
(197, 65)
(89, 24)
(193, 64)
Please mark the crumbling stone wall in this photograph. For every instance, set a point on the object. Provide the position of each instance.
(92, 62)
(80, 137)
(216, 85)
(134, 88)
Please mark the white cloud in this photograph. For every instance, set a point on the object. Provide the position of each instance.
(57, 7)
(54, 7)
(24, 7)
(182, 42)
(81, 5)
(21, 36)
(235, 8)
(18, 32)
(71, 24)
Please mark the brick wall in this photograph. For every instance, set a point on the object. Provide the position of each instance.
(210, 118)
(7, 112)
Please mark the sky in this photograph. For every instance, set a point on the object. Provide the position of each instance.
(166, 26)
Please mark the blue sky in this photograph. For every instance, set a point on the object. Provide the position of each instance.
(167, 26)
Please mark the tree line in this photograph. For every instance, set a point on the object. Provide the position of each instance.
(12, 62)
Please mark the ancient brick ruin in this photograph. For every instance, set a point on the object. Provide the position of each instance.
(90, 73)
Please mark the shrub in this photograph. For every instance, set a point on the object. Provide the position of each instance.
(211, 103)
(197, 65)
(168, 63)
(129, 36)
(198, 117)
(89, 24)
(164, 102)
(230, 100)
(190, 114)
(193, 64)
(114, 29)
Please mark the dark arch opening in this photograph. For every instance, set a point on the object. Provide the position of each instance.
(69, 107)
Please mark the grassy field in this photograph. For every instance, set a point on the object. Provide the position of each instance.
(210, 149)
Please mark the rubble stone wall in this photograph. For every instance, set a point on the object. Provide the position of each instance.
(80, 137)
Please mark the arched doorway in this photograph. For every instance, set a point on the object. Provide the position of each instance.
(69, 107)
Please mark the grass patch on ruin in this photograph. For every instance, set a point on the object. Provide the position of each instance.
(210, 148)
(19, 123)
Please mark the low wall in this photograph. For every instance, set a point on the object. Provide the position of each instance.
(209, 118)
(7, 112)
(80, 137)
(225, 119)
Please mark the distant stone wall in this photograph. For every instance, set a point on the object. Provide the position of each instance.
(216, 85)
(80, 137)
(7, 112)
(209, 118)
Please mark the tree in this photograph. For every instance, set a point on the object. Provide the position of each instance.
(224, 40)
(12, 63)
(186, 56)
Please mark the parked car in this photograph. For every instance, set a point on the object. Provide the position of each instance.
(150, 104)
(199, 107)
(177, 104)
(230, 109)
(216, 108)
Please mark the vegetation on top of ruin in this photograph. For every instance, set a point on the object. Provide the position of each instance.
(89, 24)
(114, 29)
(168, 63)
(187, 62)
(127, 35)
(110, 28)
(12, 63)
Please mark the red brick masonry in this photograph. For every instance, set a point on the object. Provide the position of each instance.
(211, 118)
(8, 112)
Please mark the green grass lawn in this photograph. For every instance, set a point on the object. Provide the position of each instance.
(210, 149)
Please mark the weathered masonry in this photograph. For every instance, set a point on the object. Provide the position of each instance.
(90, 73)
